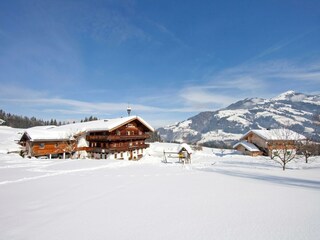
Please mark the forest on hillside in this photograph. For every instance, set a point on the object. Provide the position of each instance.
(17, 121)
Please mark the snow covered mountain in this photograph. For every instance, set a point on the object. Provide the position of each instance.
(223, 127)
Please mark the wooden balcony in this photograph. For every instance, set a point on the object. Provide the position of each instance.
(116, 137)
(114, 149)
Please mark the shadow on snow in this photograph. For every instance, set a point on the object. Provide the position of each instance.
(296, 182)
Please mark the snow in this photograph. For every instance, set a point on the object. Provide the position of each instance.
(218, 196)
(182, 130)
(249, 146)
(219, 135)
(9, 138)
(276, 134)
(277, 116)
(185, 124)
(297, 97)
(285, 96)
(186, 147)
(67, 131)
(234, 116)
(104, 124)
(48, 134)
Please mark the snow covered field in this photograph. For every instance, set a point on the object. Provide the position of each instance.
(216, 197)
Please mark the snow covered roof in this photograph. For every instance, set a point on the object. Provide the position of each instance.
(249, 146)
(276, 134)
(186, 147)
(69, 130)
(100, 125)
(47, 134)
(43, 127)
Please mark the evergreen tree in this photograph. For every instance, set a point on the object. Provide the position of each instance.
(21, 121)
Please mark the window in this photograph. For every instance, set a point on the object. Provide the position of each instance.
(118, 133)
(128, 133)
(41, 145)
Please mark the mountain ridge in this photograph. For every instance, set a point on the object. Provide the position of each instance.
(225, 126)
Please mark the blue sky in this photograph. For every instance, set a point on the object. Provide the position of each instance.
(168, 59)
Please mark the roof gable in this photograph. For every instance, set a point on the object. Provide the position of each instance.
(184, 146)
(66, 132)
(275, 134)
(249, 146)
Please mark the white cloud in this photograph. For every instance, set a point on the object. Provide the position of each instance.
(200, 96)
(249, 80)
(262, 72)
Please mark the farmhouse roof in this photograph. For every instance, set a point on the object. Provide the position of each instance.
(47, 134)
(70, 130)
(186, 147)
(276, 134)
(249, 146)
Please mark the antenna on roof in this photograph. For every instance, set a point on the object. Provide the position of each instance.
(128, 110)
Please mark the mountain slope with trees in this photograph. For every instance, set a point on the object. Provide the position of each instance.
(296, 111)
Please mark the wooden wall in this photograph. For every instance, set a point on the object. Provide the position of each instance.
(54, 147)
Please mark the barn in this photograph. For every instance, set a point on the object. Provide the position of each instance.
(117, 138)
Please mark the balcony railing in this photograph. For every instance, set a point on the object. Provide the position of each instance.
(116, 137)
(114, 149)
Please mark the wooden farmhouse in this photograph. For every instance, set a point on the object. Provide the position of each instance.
(266, 142)
(47, 142)
(119, 138)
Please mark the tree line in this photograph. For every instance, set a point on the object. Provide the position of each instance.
(16, 121)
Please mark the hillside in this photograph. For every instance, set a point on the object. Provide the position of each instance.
(291, 109)
(9, 138)
(216, 197)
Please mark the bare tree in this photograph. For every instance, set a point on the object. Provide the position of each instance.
(283, 147)
(307, 149)
(68, 146)
(310, 147)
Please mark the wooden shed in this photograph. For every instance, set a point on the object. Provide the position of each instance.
(248, 149)
(185, 153)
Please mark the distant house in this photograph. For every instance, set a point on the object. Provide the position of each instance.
(265, 142)
(248, 148)
(118, 138)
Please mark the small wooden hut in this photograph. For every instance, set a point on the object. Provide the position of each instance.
(185, 152)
